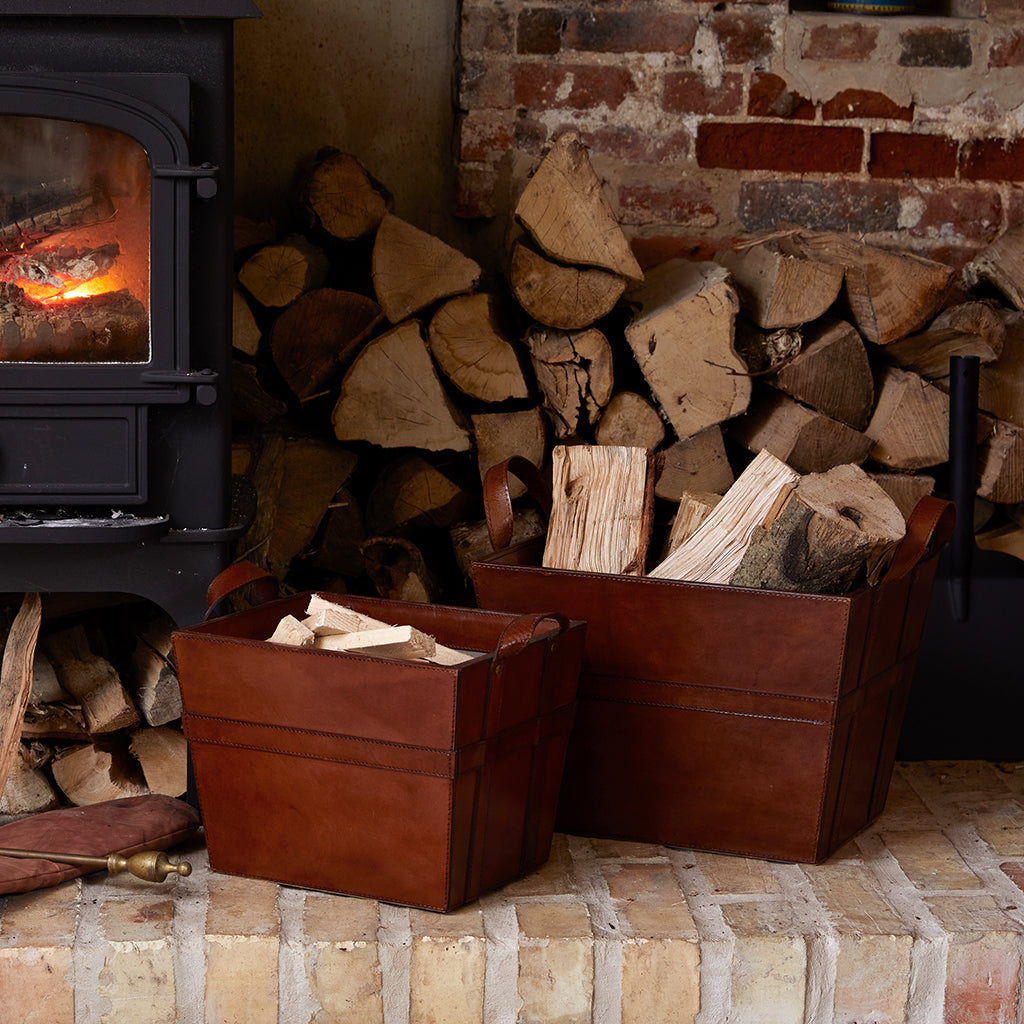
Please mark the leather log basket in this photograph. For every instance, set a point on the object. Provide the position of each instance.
(402, 781)
(753, 722)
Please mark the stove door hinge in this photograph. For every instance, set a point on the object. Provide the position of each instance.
(205, 176)
(204, 381)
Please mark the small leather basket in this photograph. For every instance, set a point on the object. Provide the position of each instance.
(753, 722)
(403, 781)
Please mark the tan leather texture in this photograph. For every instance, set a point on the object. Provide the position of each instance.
(721, 718)
(406, 782)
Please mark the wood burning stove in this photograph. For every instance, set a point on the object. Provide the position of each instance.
(115, 289)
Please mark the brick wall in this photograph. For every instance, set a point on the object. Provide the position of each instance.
(707, 120)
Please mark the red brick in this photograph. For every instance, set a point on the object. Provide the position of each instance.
(770, 96)
(624, 143)
(485, 84)
(687, 203)
(631, 31)
(651, 252)
(686, 92)
(475, 192)
(982, 978)
(845, 41)
(539, 30)
(905, 155)
(993, 160)
(933, 47)
(779, 147)
(864, 103)
(485, 136)
(487, 28)
(857, 206)
(744, 35)
(572, 86)
(1007, 50)
(965, 213)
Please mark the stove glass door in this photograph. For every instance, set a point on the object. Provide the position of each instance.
(74, 243)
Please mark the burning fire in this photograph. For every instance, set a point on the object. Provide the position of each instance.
(52, 295)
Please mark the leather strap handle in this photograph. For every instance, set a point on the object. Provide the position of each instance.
(498, 500)
(234, 578)
(929, 528)
(520, 631)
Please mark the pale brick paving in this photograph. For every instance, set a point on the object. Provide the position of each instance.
(919, 919)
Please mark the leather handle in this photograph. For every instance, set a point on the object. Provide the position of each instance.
(234, 578)
(930, 526)
(498, 500)
(520, 631)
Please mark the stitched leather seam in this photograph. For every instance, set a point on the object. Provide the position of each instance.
(714, 711)
(701, 686)
(296, 731)
(321, 757)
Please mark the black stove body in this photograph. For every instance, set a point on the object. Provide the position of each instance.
(116, 136)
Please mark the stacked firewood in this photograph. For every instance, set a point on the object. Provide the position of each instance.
(98, 703)
(380, 372)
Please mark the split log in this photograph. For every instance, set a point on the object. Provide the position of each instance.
(153, 681)
(697, 463)
(905, 489)
(837, 529)
(694, 508)
(392, 397)
(28, 790)
(891, 294)
(16, 678)
(602, 507)
(807, 441)
(763, 350)
(250, 403)
(714, 552)
(403, 643)
(630, 421)
(412, 269)
(565, 297)
(1001, 263)
(1009, 539)
(50, 207)
(318, 336)
(399, 571)
(289, 630)
(245, 332)
(277, 275)
(969, 329)
(410, 492)
(683, 339)
(46, 686)
(339, 197)
(54, 722)
(1001, 464)
(162, 754)
(1001, 383)
(473, 352)
(831, 374)
(94, 772)
(778, 289)
(574, 373)
(471, 542)
(295, 479)
(910, 424)
(344, 531)
(500, 435)
(565, 210)
(92, 680)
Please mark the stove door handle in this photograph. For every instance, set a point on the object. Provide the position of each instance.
(204, 381)
(205, 176)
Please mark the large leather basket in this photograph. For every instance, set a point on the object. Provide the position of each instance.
(753, 722)
(407, 782)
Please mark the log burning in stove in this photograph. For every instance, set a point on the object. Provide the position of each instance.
(74, 283)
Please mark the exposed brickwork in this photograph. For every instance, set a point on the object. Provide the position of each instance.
(864, 103)
(1007, 50)
(993, 160)
(903, 155)
(770, 96)
(779, 147)
(846, 41)
(635, 30)
(868, 208)
(936, 48)
(745, 34)
(570, 86)
(686, 92)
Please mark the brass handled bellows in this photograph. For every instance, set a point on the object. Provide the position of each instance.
(150, 865)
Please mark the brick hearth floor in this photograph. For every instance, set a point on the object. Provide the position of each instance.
(918, 919)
